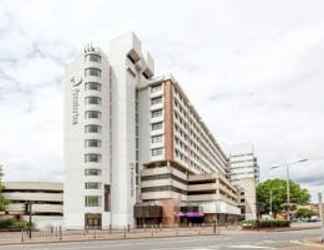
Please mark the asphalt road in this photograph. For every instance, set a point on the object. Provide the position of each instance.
(250, 241)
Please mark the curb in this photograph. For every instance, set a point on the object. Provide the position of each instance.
(94, 240)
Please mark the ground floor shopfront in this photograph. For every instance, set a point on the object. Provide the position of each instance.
(168, 215)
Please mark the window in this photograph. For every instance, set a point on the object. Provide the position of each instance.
(93, 58)
(92, 185)
(92, 114)
(156, 100)
(92, 157)
(157, 151)
(92, 171)
(92, 86)
(92, 201)
(156, 138)
(156, 88)
(157, 125)
(107, 197)
(93, 72)
(92, 128)
(93, 100)
(156, 113)
(92, 143)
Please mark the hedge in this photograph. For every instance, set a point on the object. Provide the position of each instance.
(13, 224)
(254, 224)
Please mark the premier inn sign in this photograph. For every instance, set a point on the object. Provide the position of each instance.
(75, 99)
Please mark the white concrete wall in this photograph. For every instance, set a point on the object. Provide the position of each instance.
(74, 146)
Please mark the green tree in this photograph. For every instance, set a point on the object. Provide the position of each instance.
(298, 195)
(3, 202)
(304, 213)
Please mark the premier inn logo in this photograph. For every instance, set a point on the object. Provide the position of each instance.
(76, 81)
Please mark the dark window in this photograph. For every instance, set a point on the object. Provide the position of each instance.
(92, 171)
(93, 58)
(107, 198)
(93, 72)
(93, 86)
(92, 128)
(93, 100)
(156, 138)
(156, 113)
(156, 100)
(92, 157)
(157, 125)
(92, 201)
(92, 143)
(92, 185)
(157, 151)
(92, 114)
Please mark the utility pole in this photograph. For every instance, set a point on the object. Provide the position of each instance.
(288, 181)
(271, 203)
(29, 206)
(288, 193)
(320, 206)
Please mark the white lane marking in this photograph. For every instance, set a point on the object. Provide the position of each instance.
(182, 248)
(249, 247)
(297, 242)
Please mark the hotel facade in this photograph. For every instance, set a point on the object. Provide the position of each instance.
(135, 149)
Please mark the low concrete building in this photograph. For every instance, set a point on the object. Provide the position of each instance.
(204, 198)
(46, 199)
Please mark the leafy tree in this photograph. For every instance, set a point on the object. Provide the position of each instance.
(278, 187)
(304, 213)
(3, 202)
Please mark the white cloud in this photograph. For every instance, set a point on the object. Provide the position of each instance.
(253, 69)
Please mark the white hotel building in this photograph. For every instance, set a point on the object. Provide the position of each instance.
(135, 149)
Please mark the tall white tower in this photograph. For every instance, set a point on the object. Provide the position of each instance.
(100, 134)
(87, 141)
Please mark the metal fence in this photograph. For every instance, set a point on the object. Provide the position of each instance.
(56, 234)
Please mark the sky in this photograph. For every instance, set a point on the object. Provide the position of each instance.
(253, 69)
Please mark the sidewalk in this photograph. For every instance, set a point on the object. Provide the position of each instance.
(77, 236)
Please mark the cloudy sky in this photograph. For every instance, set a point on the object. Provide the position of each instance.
(253, 69)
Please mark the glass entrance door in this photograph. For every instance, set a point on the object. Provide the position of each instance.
(93, 221)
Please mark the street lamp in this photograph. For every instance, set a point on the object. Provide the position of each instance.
(288, 183)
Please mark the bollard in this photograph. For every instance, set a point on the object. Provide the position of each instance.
(128, 228)
(214, 227)
(152, 233)
(110, 228)
(124, 232)
(60, 233)
(95, 233)
(22, 235)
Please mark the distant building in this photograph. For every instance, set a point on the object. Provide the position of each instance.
(244, 173)
(46, 199)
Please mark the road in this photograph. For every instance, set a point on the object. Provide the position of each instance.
(229, 241)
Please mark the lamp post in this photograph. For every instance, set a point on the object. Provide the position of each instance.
(287, 165)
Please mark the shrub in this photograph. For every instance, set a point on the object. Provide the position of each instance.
(12, 224)
(8, 223)
(254, 224)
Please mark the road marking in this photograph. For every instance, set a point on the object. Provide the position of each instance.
(249, 247)
(297, 242)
